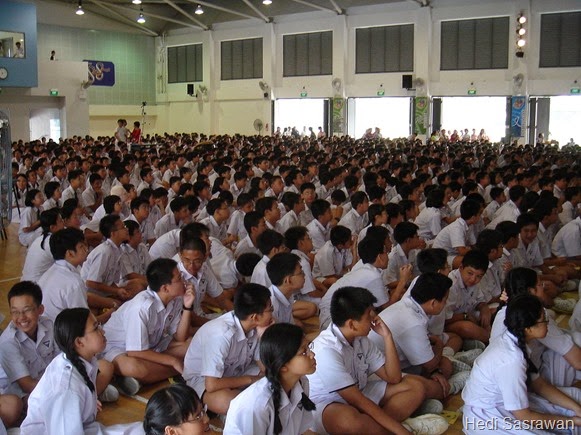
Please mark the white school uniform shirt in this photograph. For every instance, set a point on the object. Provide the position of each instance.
(155, 215)
(89, 197)
(22, 356)
(236, 225)
(103, 265)
(364, 275)
(219, 231)
(309, 285)
(319, 234)
(502, 261)
(142, 185)
(145, 227)
(462, 299)
(283, 307)
(341, 365)
(143, 323)
(490, 209)
(223, 264)
(507, 212)
(497, 383)
(544, 238)
(246, 246)
(408, 323)
(323, 192)
(354, 221)
(491, 283)
(331, 261)
(62, 403)
(429, 223)
(527, 256)
(252, 411)
(397, 259)
(38, 260)
(166, 246)
(165, 224)
(134, 260)
(220, 349)
(62, 287)
(455, 207)
(28, 216)
(204, 282)
(575, 320)
(259, 274)
(567, 242)
(290, 219)
(568, 213)
(306, 217)
(452, 236)
(69, 193)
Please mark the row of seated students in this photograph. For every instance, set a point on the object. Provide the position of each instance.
(367, 246)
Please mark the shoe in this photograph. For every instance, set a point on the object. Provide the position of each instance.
(473, 344)
(564, 305)
(430, 406)
(448, 351)
(457, 382)
(128, 385)
(459, 366)
(468, 356)
(177, 379)
(109, 395)
(428, 424)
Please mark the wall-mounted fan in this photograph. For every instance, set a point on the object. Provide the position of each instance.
(258, 125)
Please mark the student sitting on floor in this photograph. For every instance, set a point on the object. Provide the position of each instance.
(134, 255)
(346, 400)
(336, 257)
(148, 336)
(270, 243)
(489, 242)
(279, 402)
(29, 226)
(140, 214)
(287, 277)
(320, 227)
(221, 358)
(255, 225)
(407, 238)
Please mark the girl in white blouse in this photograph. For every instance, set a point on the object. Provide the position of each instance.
(30, 218)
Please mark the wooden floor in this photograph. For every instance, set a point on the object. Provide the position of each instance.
(131, 409)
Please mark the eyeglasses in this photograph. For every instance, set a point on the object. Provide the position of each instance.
(540, 322)
(309, 350)
(199, 417)
(189, 262)
(269, 309)
(98, 327)
(25, 312)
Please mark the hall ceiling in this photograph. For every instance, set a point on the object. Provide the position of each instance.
(166, 15)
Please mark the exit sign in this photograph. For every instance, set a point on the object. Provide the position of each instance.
(575, 91)
(471, 91)
(380, 93)
(54, 92)
(303, 94)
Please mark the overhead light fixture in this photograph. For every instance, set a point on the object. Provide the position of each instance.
(199, 10)
(141, 18)
(521, 42)
(136, 2)
(522, 19)
(80, 10)
(522, 31)
(520, 34)
(267, 2)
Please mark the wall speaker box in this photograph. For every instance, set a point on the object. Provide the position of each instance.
(406, 81)
(190, 89)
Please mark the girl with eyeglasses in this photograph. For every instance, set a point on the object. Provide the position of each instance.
(278, 403)
(505, 393)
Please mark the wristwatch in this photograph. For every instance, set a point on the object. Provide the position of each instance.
(187, 309)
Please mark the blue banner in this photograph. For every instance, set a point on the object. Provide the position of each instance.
(517, 114)
(101, 73)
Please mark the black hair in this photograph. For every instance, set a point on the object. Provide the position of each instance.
(508, 229)
(294, 235)
(290, 199)
(525, 219)
(213, 205)
(319, 207)
(138, 202)
(369, 248)
(131, 226)
(178, 203)
(69, 325)
(430, 285)
(65, 240)
(50, 188)
(435, 198)
(488, 240)
(475, 259)
(243, 199)
(26, 288)
(280, 266)
(252, 219)
(358, 198)
(246, 263)
(393, 211)
(264, 204)
(374, 211)
(74, 174)
(159, 273)
(404, 231)
(495, 192)
(519, 280)
(340, 235)
(278, 345)
(469, 208)
(250, 299)
(30, 195)
(170, 406)
(109, 203)
(431, 260)
(69, 207)
(350, 303)
(107, 224)
(48, 218)
(515, 193)
(523, 312)
(268, 240)
(192, 244)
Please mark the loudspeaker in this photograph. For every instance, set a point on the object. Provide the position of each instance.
(406, 81)
(190, 89)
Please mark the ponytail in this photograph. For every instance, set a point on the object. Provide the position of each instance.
(68, 326)
(518, 282)
(48, 218)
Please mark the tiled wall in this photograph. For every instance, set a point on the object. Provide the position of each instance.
(132, 54)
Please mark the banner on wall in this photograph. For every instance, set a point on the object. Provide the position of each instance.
(421, 105)
(517, 108)
(338, 119)
(101, 73)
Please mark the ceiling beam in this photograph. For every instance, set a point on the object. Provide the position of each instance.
(123, 18)
(314, 6)
(186, 14)
(255, 9)
(220, 8)
(337, 8)
(152, 15)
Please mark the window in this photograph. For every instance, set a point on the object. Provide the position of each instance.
(384, 49)
(184, 64)
(308, 54)
(242, 59)
(560, 40)
(475, 44)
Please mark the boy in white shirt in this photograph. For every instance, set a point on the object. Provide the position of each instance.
(140, 214)
(236, 230)
(134, 255)
(335, 257)
(254, 224)
(175, 219)
(407, 238)
(320, 227)
(270, 243)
